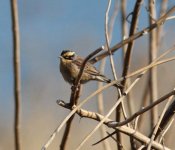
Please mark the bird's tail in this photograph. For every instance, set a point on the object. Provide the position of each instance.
(106, 80)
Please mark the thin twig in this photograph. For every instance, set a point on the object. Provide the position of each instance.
(145, 31)
(107, 40)
(143, 110)
(111, 60)
(69, 122)
(159, 121)
(169, 114)
(123, 148)
(106, 144)
(165, 130)
(160, 28)
(17, 72)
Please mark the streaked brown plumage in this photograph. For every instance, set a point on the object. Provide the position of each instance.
(70, 65)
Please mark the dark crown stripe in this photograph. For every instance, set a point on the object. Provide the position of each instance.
(64, 51)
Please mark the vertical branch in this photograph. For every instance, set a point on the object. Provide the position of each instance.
(107, 40)
(127, 56)
(106, 143)
(111, 62)
(69, 122)
(124, 24)
(124, 48)
(160, 28)
(153, 55)
(133, 28)
(102, 66)
(17, 72)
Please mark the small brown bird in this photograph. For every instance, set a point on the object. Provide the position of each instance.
(70, 64)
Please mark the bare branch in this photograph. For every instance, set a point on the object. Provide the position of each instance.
(133, 28)
(145, 31)
(127, 57)
(159, 121)
(169, 114)
(152, 56)
(111, 60)
(143, 110)
(69, 122)
(17, 72)
(124, 129)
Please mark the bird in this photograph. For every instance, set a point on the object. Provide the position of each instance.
(70, 64)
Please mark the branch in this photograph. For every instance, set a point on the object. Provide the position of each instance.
(17, 72)
(156, 128)
(127, 57)
(169, 114)
(69, 122)
(152, 55)
(111, 61)
(145, 31)
(133, 28)
(143, 110)
(124, 129)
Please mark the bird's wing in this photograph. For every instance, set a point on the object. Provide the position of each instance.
(89, 68)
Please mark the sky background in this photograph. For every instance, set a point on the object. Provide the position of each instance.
(46, 28)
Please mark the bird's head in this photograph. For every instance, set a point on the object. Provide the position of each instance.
(67, 55)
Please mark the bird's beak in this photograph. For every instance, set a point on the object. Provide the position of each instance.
(60, 57)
